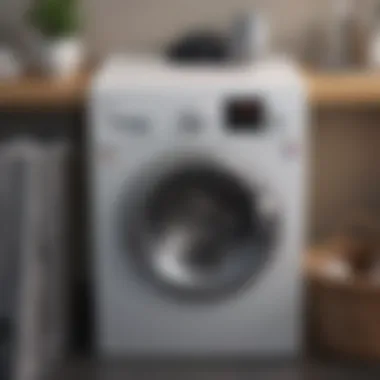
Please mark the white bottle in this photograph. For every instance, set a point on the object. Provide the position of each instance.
(250, 37)
(339, 51)
(374, 42)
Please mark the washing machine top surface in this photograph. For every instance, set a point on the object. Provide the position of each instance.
(131, 71)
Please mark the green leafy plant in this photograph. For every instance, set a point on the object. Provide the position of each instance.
(55, 18)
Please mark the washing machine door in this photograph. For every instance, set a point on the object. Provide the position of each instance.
(195, 231)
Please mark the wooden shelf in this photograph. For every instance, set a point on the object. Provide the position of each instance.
(324, 90)
(41, 93)
(349, 89)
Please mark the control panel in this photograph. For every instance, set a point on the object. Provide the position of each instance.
(245, 114)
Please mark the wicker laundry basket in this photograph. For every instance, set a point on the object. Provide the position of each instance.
(344, 314)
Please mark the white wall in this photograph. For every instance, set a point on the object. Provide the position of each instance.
(119, 25)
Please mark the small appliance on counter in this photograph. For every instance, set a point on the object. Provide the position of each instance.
(201, 46)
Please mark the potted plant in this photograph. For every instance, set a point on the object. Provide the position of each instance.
(58, 22)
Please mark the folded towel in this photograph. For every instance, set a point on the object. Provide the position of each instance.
(32, 257)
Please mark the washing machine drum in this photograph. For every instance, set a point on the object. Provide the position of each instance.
(195, 232)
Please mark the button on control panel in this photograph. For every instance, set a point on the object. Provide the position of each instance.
(189, 122)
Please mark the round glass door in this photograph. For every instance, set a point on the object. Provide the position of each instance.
(197, 233)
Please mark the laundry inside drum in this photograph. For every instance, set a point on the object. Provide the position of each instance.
(201, 234)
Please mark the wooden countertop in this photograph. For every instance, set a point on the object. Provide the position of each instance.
(42, 93)
(344, 89)
(325, 89)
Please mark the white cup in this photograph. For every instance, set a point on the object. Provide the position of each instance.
(250, 37)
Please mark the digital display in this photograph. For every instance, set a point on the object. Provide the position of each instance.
(245, 114)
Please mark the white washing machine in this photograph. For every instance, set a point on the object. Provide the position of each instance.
(197, 178)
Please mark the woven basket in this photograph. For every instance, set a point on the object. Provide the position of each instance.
(344, 315)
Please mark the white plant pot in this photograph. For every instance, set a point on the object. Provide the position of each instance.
(66, 56)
